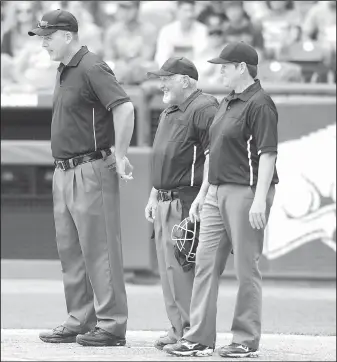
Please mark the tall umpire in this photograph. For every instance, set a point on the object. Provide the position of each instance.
(88, 102)
(242, 178)
(180, 151)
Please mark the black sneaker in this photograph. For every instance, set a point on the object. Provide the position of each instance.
(237, 350)
(59, 334)
(98, 337)
(186, 348)
(161, 342)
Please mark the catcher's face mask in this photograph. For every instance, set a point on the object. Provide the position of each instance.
(185, 236)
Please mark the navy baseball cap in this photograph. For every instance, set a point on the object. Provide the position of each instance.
(53, 21)
(177, 65)
(237, 52)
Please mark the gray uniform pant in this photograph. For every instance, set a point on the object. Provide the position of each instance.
(225, 224)
(176, 284)
(88, 236)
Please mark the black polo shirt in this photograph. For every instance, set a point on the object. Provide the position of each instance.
(182, 141)
(244, 127)
(85, 92)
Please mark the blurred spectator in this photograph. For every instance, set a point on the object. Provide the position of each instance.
(313, 58)
(209, 72)
(256, 10)
(32, 69)
(239, 26)
(7, 17)
(106, 11)
(320, 24)
(130, 44)
(184, 37)
(213, 15)
(319, 31)
(271, 71)
(158, 13)
(46, 6)
(91, 34)
(280, 26)
(303, 7)
(25, 66)
(22, 21)
(95, 9)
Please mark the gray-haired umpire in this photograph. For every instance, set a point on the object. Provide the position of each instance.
(88, 104)
(242, 177)
(179, 173)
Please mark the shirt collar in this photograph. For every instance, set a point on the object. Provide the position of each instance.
(247, 93)
(75, 59)
(188, 101)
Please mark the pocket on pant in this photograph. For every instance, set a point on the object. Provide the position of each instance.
(91, 177)
(110, 163)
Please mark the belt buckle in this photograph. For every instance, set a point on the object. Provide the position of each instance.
(60, 164)
(161, 195)
(164, 195)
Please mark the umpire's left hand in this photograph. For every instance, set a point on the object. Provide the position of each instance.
(123, 165)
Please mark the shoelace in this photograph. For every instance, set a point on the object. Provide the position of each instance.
(93, 331)
(59, 329)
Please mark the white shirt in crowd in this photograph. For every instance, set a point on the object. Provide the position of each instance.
(173, 41)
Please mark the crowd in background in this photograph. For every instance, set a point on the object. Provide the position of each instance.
(296, 40)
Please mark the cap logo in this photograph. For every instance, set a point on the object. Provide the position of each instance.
(42, 24)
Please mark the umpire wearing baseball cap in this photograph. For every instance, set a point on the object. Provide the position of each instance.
(241, 187)
(177, 65)
(53, 21)
(179, 163)
(88, 106)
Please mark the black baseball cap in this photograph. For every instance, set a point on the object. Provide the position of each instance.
(53, 21)
(177, 65)
(237, 52)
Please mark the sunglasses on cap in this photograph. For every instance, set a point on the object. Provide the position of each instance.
(44, 25)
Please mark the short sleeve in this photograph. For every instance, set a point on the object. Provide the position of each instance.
(263, 124)
(105, 86)
(202, 123)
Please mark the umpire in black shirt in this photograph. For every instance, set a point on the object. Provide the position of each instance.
(242, 177)
(87, 103)
(179, 172)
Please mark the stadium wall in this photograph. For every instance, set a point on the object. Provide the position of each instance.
(301, 234)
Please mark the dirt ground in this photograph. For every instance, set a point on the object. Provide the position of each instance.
(299, 322)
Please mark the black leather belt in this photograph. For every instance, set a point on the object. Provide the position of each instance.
(78, 160)
(167, 195)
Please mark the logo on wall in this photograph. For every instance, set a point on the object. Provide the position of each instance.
(304, 208)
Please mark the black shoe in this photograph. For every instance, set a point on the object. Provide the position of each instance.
(237, 350)
(59, 334)
(186, 348)
(98, 337)
(164, 341)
